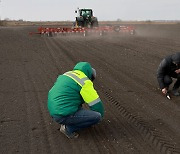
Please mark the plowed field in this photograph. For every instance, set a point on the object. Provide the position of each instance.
(138, 118)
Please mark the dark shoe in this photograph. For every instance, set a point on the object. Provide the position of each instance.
(175, 92)
(72, 135)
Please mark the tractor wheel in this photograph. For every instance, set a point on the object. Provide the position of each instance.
(94, 24)
(79, 24)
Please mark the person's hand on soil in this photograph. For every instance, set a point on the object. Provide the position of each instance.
(164, 91)
(177, 71)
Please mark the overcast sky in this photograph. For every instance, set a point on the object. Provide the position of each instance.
(63, 10)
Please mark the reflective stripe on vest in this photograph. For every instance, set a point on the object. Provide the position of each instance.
(87, 92)
(94, 102)
(80, 81)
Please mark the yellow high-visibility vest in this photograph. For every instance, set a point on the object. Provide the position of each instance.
(87, 92)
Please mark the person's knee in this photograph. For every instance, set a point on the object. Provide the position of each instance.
(58, 119)
(97, 117)
(167, 80)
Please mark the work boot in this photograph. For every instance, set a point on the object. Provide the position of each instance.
(175, 92)
(64, 131)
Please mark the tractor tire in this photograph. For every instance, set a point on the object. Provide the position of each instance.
(81, 24)
(94, 24)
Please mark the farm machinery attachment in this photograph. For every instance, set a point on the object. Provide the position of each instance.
(84, 31)
(85, 24)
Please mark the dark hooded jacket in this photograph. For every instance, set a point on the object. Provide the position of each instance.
(64, 97)
(168, 67)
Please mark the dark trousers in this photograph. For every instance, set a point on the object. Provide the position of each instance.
(168, 80)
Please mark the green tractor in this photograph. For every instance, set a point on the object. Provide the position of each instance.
(85, 18)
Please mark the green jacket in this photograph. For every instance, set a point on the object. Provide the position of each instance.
(64, 98)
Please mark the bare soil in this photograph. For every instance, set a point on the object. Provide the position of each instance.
(138, 118)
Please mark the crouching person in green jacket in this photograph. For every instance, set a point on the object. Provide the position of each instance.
(66, 97)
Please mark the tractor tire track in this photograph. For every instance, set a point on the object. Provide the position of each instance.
(147, 131)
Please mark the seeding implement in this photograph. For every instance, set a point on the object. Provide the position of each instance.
(85, 24)
(84, 31)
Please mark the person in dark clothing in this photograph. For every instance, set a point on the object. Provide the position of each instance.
(169, 68)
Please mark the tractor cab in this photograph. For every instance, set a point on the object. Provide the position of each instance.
(86, 12)
(85, 18)
(82, 12)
